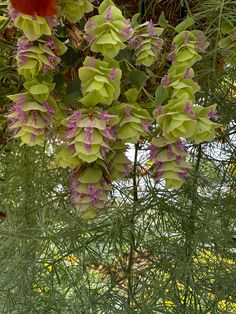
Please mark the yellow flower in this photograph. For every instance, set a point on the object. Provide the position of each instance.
(222, 305)
(169, 303)
(48, 266)
(71, 259)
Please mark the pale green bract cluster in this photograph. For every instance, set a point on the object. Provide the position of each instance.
(108, 31)
(38, 53)
(93, 137)
(147, 43)
(181, 118)
(33, 28)
(31, 115)
(100, 81)
(74, 10)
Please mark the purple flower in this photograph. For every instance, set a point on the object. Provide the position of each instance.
(87, 147)
(53, 60)
(34, 114)
(159, 111)
(90, 38)
(92, 62)
(159, 169)
(112, 74)
(90, 25)
(201, 46)
(91, 188)
(170, 152)
(165, 81)
(150, 28)
(33, 137)
(49, 109)
(23, 58)
(178, 159)
(127, 112)
(108, 14)
(19, 103)
(183, 174)
(126, 31)
(24, 44)
(213, 114)
(152, 151)
(104, 115)
(52, 21)
(157, 46)
(13, 13)
(188, 109)
(104, 151)
(145, 125)
(171, 57)
(187, 73)
(181, 147)
(88, 134)
(109, 132)
(139, 43)
(50, 44)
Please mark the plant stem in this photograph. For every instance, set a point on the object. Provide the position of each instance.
(132, 231)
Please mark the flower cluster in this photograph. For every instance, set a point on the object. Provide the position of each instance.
(108, 31)
(89, 133)
(31, 113)
(118, 165)
(93, 136)
(74, 10)
(89, 190)
(180, 117)
(100, 81)
(38, 52)
(134, 121)
(36, 57)
(147, 43)
(169, 161)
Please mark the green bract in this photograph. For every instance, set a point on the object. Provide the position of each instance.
(100, 81)
(119, 166)
(146, 43)
(89, 190)
(35, 59)
(108, 31)
(177, 121)
(205, 128)
(33, 27)
(74, 10)
(134, 121)
(186, 46)
(64, 158)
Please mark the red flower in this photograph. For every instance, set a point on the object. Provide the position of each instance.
(32, 7)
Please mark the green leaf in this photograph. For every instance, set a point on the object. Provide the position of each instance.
(91, 175)
(135, 19)
(162, 20)
(138, 78)
(189, 21)
(161, 94)
(131, 95)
